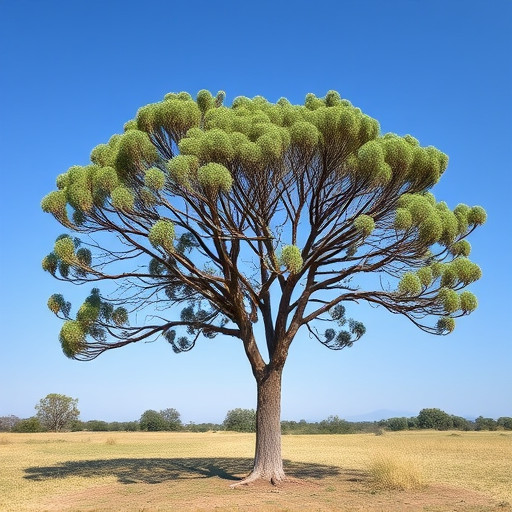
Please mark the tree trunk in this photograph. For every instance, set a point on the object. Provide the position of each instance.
(268, 464)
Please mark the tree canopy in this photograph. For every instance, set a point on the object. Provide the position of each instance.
(55, 412)
(225, 216)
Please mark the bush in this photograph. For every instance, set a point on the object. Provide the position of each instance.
(241, 420)
(396, 424)
(335, 425)
(28, 425)
(96, 426)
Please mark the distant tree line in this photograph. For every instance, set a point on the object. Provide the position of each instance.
(58, 412)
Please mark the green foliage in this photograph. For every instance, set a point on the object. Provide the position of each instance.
(482, 423)
(154, 179)
(120, 316)
(64, 249)
(304, 135)
(172, 418)
(468, 302)
(72, 338)
(135, 151)
(122, 199)
(56, 304)
(449, 299)
(403, 219)
(152, 421)
(105, 180)
(161, 234)
(409, 284)
(364, 224)
(434, 419)
(240, 420)
(466, 271)
(425, 275)
(50, 263)
(505, 422)
(397, 424)
(204, 100)
(291, 258)
(56, 412)
(215, 178)
(28, 425)
(477, 216)
(237, 181)
(87, 315)
(445, 325)
(182, 168)
(461, 248)
(54, 202)
(84, 256)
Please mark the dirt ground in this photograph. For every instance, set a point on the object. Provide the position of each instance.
(347, 492)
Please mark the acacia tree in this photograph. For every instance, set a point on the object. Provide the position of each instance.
(55, 411)
(282, 214)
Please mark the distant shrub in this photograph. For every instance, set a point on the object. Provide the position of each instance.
(482, 423)
(28, 425)
(396, 424)
(240, 420)
(505, 422)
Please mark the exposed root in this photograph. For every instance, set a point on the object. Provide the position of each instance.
(257, 476)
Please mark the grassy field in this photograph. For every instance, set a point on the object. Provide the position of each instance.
(83, 471)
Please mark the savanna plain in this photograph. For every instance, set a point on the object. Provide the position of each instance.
(146, 472)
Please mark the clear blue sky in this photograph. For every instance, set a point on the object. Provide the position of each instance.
(73, 72)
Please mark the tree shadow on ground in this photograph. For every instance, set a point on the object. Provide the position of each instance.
(158, 470)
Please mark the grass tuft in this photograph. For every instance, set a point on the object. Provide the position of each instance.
(392, 473)
(110, 441)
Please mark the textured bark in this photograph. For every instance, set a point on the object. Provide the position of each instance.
(268, 463)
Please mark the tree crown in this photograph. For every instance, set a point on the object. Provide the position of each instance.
(259, 210)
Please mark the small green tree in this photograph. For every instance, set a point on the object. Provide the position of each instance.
(152, 421)
(212, 218)
(56, 412)
(240, 420)
(434, 418)
(172, 418)
(482, 423)
(505, 422)
(460, 423)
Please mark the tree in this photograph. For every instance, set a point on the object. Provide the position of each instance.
(266, 214)
(152, 421)
(505, 422)
(482, 423)
(434, 418)
(240, 420)
(8, 422)
(172, 418)
(460, 423)
(56, 412)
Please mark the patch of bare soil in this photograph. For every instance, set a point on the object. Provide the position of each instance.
(346, 493)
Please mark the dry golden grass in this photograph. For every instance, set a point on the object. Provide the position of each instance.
(392, 473)
(84, 471)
